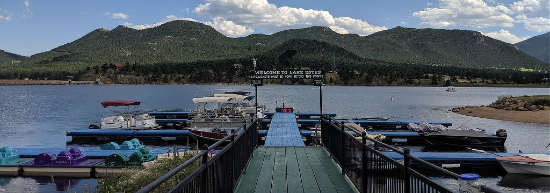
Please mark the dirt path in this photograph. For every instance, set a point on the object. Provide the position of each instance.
(542, 116)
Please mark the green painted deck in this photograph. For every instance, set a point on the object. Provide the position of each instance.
(292, 169)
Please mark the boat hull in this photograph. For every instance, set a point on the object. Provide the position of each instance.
(208, 135)
(512, 167)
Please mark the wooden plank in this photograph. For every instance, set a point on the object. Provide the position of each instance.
(247, 182)
(279, 172)
(263, 184)
(293, 178)
(328, 173)
(309, 183)
(324, 183)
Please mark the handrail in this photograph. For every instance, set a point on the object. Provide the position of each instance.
(149, 187)
(405, 152)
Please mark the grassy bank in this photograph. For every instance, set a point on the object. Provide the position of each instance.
(132, 180)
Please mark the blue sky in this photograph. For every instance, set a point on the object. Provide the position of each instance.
(32, 26)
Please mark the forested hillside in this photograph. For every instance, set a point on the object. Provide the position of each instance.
(186, 51)
(10, 58)
(538, 46)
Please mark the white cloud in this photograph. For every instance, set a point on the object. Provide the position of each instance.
(28, 11)
(248, 15)
(168, 19)
(470, 13)
(532, 8)
(533, 14)
(117, 15)
(228, 27)
(4, 15)
(505, 36)
(535, 24)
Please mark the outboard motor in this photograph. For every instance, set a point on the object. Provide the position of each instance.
(501, 133)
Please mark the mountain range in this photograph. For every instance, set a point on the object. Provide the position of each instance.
(538, 46)
(188, 41)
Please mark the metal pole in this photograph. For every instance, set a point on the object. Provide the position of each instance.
(363, 162)
(406, 162)
(342, 150)
(204, 179)
(256, 98)
(321, 99)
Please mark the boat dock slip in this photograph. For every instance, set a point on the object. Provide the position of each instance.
(90, 153)
(482, 161)
(304, 115)
(283, 131)
(169, 113)
(171, 120)
(292, 169)
(129, 133)
(363, 123)
(108, 135)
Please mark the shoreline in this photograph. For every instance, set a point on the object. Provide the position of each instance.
(14, 82)
(539, 117)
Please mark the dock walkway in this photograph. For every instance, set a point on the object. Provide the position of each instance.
(292, 169)
(283, 131)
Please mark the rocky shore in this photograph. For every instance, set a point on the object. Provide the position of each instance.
(529, 109)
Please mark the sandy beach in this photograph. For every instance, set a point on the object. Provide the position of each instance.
(541, 116)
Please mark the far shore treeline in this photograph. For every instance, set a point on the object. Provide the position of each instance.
(183, 52)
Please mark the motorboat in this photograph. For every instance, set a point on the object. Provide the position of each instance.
(125, 120)
(534, 164)
(231, 110)
(450, 89)
(455, 138)
(443, 137)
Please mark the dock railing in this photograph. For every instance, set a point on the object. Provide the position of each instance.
(213, 173)
(371, 171)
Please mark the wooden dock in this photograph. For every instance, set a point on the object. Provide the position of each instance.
(292, 169)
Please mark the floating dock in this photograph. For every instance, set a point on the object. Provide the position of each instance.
(376, 124)
(105, 135)
(90, 153)
(458, 160)
(283, 131)
(269, 115)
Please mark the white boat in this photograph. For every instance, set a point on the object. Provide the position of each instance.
(230, 111)
(127, 120)
(450, 89)
(535, 164)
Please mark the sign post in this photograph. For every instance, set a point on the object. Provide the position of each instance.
(316, 75)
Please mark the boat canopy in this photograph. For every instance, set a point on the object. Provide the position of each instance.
(215, 99)
(116, 103)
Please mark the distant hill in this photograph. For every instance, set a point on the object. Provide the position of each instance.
(538, 46)
(187, 41)
(297, 53)
(10, 58)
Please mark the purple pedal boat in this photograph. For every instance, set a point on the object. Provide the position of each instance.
(65, 158)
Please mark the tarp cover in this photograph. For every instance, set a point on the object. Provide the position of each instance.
(106, 104)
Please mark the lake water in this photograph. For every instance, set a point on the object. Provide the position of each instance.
(38, 116)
